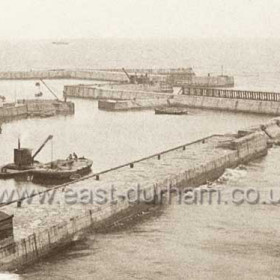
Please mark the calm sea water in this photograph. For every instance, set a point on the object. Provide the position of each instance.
(179, 241)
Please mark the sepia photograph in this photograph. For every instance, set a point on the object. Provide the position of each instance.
(139, 139)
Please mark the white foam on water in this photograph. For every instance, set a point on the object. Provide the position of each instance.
(9, 276)
(232, 175)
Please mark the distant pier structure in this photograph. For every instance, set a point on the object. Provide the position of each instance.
(183, 77)
(171, 76)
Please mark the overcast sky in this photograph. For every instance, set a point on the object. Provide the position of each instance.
(37, 19)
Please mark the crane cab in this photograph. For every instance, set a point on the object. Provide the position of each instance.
(23, 157)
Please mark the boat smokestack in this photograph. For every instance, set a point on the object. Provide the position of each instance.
(19, 143)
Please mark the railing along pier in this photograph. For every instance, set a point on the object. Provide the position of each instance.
(232, 94)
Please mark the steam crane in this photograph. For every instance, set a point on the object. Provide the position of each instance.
(42, 146)
(134, 79)
(130, 78)
(25, 164)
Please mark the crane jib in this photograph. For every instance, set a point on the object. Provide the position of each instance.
(42, 146)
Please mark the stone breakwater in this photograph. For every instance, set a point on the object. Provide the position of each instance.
(118, 98)
(115, 93)
(35, 108)
(213, 99)
(184, 77)
(63, 74)
(41, 227)
(97, 75)
(257, 102)
(271, 130)
(175, 77)
(224, 104)
(207, 81)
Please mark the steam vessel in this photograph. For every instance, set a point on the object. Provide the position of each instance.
(61, 169)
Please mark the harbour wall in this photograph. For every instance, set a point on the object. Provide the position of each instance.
(161, 71)
(228, 104)
(64, 74)
(117, 75)
(214, 99)
(155, 87)
(230, 151)
(94, 92)
(12, 111)
(34, 107)
(125, 100)
(212, 81)
(184, 77)
(97, 75)
(231, 93)
(41, 243)
(206, 81)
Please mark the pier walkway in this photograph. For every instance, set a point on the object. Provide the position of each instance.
(41, 226)
(232, 93)
(144, 173)
(239, 101)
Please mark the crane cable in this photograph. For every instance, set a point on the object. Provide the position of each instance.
(49, 89)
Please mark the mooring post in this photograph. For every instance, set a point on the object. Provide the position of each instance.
(19, 203)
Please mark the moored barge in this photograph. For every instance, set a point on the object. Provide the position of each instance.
(62, 169)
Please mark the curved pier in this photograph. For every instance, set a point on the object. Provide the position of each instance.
(41, 226)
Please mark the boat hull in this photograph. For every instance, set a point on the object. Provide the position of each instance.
(52, 175)
(48, 174)
(60, 170)
(10, 171)
(171, 111)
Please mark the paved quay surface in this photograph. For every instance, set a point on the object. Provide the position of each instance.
(38, 216)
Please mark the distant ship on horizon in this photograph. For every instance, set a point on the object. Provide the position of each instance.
(60, 43)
